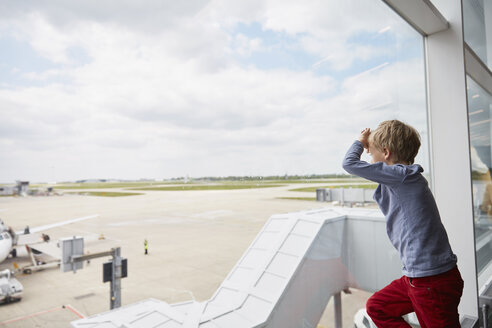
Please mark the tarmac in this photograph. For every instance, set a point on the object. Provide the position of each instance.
(194, 238)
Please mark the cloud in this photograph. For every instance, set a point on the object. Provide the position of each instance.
(245, 46)
(175, 88)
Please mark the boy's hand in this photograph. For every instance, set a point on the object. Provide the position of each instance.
(364, 137)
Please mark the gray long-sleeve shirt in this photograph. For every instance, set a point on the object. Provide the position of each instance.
(413, 223)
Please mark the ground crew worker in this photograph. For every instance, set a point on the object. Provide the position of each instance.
(146, 247)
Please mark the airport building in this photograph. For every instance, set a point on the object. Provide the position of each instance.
(449, 100)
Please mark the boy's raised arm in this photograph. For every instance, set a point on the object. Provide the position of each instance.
(377, 172)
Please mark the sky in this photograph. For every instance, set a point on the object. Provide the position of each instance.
(160, 89)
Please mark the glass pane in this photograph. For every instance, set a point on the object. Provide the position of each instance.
(479, 115)
(203, 89)
(477, 16)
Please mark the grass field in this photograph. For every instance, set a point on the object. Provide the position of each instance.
(108, 185)
(204, 184)
(293, 181)
(210, 187)
(105, 194)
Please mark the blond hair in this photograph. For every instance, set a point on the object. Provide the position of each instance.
(402, 140)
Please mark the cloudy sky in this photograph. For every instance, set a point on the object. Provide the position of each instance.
(158, 89)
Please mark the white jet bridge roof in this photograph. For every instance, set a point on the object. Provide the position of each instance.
(284, 279)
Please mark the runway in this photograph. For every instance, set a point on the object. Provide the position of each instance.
(195, 238)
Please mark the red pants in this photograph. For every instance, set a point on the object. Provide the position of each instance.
(434, 299)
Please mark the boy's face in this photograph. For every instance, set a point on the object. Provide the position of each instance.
(376, 154)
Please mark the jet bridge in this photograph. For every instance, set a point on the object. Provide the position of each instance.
(284, 279)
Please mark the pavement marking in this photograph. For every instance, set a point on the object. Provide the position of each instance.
(77, 313)
(69, 307)
(30, 315)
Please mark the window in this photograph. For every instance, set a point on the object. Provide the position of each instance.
(479, 116)
(477, 16)
(216, 88)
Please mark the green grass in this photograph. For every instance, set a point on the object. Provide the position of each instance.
(104, 185)
(211, 187)
(295, 181)
(299, 198)
(313, 189)
(105, 194)
(174, 184)
(308, 181)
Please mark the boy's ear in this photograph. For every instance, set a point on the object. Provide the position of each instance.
(387, 153)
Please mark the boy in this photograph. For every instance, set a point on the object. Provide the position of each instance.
(432, 285)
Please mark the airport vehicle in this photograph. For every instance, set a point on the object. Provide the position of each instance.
(10, 288)
(34, 242)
